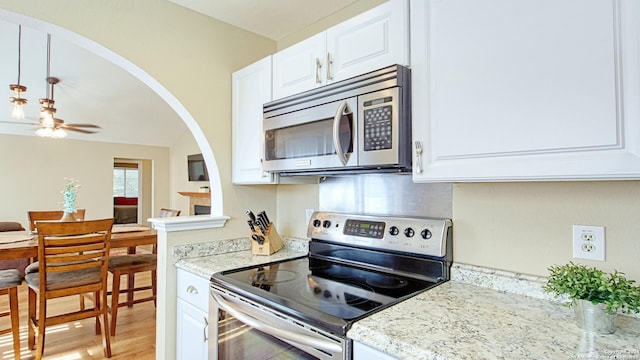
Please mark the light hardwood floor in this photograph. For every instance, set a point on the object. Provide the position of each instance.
(135, 337)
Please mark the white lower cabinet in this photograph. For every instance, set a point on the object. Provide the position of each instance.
(192, 317)
(525, 90)
(364, 352)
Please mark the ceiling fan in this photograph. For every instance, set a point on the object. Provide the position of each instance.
(50, 126)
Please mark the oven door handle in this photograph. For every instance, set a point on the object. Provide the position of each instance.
(266, 328)
(342, 110)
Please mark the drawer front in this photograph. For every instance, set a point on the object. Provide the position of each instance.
(193, 289)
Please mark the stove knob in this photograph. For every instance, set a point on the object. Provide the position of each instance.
(326, 224)
(317, 290)
(409, 232)
(426, 234)
(394, 230)
(327, 294)
(316, 223)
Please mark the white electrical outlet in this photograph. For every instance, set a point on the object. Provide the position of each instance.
(588, 242)
(308, 213)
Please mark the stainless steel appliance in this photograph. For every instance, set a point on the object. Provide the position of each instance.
(356, 125)
(302, 308)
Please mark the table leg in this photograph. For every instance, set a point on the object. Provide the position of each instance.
(130, 280)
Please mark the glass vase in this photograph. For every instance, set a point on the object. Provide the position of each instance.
(68, 217)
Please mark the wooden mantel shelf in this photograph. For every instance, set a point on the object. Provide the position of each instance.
(194, 194)
(196, 198)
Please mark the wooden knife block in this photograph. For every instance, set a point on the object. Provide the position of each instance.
(272, 242)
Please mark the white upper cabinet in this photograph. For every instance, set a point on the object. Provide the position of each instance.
(299, 67)
(366, 42)
(525, 89)
(251, 87)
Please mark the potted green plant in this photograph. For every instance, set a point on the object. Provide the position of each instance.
(596, 296)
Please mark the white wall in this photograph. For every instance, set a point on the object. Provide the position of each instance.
(34, 171)
(191, 55)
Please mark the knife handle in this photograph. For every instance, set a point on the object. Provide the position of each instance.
(251, 215)
(265, 218)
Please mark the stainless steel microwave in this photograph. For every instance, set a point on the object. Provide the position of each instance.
(362, 124)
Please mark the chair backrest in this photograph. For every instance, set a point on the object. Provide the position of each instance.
(80, 249)
(50, 215)
(169, 212)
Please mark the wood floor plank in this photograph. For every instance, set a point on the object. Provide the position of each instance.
(135, 338)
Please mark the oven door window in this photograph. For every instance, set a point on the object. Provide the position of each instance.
(237, 340)
(248, 330)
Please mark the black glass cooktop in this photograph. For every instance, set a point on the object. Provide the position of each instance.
(326, 293)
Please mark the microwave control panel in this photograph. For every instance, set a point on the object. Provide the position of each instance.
(378, 129)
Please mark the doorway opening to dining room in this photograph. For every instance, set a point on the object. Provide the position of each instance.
(132, 183)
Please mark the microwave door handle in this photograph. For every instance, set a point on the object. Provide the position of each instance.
(342, 110)
(266, 328)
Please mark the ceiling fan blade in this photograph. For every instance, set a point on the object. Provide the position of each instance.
(79, 130)
(85, 125)
(17, 123)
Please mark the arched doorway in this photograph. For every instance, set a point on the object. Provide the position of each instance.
(144, 77)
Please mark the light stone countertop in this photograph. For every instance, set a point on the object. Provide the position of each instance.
(206, 266)
(460, 320)
(208, 258)
(480, 314)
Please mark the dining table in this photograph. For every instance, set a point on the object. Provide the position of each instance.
(23, 244)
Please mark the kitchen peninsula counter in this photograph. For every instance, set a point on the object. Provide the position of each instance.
(233, 257)
(458, 320)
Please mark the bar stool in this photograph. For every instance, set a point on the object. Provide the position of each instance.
(129, 265)
(9, 281)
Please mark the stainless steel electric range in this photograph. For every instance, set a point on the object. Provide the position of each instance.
(302, 308)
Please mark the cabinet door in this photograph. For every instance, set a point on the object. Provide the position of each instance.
(372, 40)
(251, 88)
(299, 67)
(192, 342)
(525, 90)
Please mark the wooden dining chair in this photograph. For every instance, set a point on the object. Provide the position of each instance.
(73, 259)
(10, 279)
(131, 264)
(49, 215)
(19, 264)
(169, 212)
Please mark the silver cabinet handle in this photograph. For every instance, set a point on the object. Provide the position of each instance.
(318, 67)
(192, 289)
(418, 145)
(206, 329)
(329, 63)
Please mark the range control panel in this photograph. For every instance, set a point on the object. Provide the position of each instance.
(424, 236)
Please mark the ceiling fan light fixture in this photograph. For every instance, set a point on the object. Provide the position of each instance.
(58, 133)
(45, 132)
(18, 101)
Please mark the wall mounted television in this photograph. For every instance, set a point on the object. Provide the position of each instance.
(197, 168)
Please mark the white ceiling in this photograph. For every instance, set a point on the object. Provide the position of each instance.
(273, 19)
(94, 90)
(91, 90)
